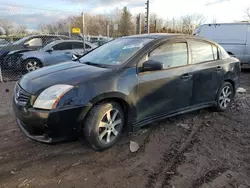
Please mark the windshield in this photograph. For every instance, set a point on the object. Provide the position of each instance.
(21, 41)
(115, 52)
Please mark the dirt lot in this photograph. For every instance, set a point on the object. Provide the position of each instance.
(203, 149)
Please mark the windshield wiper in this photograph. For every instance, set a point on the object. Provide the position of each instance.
(94, 64)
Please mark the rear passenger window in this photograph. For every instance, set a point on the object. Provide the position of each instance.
(172, 55)
(79, 45)
(215, 51)
(203, 51)
(63, 46)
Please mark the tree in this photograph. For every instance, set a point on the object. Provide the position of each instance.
(189, 22)
(126, 25)
(21, 30)
(247, 13)
(7, 26)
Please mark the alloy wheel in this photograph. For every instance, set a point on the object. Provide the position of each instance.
(32, 65)
(225, 97)
(110, 126)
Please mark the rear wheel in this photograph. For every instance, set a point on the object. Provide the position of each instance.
(103, 125)
(224, 97)
(30, 65)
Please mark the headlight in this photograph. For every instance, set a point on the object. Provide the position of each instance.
(50, 97)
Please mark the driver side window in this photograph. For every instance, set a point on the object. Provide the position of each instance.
(170, 54)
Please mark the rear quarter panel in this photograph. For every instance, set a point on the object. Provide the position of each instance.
(233, 69)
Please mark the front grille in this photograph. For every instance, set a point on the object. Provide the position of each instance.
(21, 97)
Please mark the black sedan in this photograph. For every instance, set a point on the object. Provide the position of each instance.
(122, 85)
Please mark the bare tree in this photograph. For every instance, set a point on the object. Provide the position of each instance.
(247, 13)
(7, 26)
(214, 20)
(189, 22)
(154, 19)
(21, 30)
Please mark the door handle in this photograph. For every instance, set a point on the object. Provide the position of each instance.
(219, 68)
(186, 76)
(67, 52)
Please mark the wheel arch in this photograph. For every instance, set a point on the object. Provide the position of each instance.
(30, 58)
(231, 82)
(122, 99)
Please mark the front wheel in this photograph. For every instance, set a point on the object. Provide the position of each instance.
(31, 65)
(103, 125)
(224, 97)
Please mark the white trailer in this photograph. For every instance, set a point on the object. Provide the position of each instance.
(234, 37)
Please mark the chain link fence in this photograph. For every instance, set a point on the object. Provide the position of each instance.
(34, 37)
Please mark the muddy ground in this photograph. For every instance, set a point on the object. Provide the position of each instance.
(202, 149)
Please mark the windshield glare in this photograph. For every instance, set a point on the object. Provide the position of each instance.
(20, 41)
(115, 52)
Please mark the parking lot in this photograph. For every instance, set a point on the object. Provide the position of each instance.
(200, 149)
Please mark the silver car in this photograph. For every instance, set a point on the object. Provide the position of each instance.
(53, 53)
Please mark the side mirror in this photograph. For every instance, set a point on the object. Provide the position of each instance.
(50, 50)
(74, 57)
(152, 65)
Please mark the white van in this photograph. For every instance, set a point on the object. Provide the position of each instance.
(234, 37)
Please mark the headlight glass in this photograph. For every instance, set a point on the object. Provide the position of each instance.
(50, 97)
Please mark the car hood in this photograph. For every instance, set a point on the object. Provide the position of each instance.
(65, 73)
(8, 48)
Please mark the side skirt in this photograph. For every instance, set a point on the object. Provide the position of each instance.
(137, 125)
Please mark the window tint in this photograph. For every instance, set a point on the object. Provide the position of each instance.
(48, 40)
(63, 46)
(35, 42)
(79, 45)
(172, 55)
(202, 52)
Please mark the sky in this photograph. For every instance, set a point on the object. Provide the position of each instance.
(32, 13)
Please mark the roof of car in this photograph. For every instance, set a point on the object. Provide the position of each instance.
(169, 35)
(154, 35)
(48, 36)
(61, 41)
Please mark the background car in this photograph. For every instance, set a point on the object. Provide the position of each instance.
(33, 42)
(3, 42)
(53, 53)
(125, 84)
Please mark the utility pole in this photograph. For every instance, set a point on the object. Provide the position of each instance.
(108, 30)
(83, 33)
(147, 17)
(138, 24)
(69, 29)
(155, 25)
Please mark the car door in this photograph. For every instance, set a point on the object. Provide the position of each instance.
(60, 53)
(207, 70)
(168, 90)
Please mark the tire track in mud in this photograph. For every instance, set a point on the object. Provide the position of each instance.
(209, 176)
(172, 158)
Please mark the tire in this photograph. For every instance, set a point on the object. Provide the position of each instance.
(31, 64)
(102, 130)
(223, 101)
